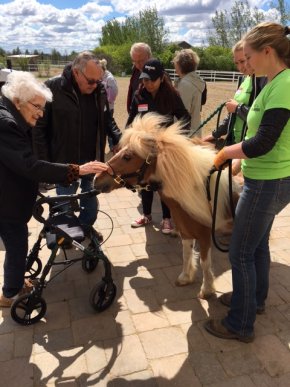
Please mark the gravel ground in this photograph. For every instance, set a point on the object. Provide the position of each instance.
(218, 92)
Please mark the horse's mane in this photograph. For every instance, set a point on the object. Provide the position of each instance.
(182, 164)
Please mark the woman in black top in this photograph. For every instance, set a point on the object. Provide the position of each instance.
(22, 104)
(157, 94)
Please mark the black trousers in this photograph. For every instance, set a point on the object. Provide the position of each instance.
(15, 239)
(147, 200)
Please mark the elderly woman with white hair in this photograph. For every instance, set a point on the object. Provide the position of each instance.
(22, 104)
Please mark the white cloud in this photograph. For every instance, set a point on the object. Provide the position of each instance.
(27, 24)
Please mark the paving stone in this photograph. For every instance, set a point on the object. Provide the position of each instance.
(277, 360)
(120, 255)
(95, 358)
(207, 367)
(195, 338)
(163, 342)
(237, 382)
(138, 379)
(149, 321)
(7, 346)
(128, 355)
(56, 317)
(141, 300)
(16, 372)
(125, 324)
(23, 342)
(57, 366)
(97, 327)
(184, 311)
(53, 341)
(174, 371)
(240, 362)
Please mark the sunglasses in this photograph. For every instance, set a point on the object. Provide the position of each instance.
(37, 107)
(90, 81)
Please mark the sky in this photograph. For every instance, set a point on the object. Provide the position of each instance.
(76, 25)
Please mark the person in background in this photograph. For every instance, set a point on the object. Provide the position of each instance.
(74, 126)
(156, 94)
(249, 88)
(265, 155)
(189, 85)
(22, 104)
(111, 88)
(110, 84)
(140, 53)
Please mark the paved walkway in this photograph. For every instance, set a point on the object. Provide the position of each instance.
(153, 333)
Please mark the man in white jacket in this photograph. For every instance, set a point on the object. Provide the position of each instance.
(190, 85)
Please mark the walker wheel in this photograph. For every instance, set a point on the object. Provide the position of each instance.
(28, 309)
(102, 295)
(34, 270)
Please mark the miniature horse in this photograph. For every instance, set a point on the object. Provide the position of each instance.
(158, 158)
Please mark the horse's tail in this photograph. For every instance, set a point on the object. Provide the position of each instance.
(224, 216)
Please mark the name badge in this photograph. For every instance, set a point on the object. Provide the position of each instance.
(143, 107)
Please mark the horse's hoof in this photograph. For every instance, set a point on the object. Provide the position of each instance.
(205, 296)
(182, 282)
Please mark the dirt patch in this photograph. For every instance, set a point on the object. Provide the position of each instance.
(218, 92)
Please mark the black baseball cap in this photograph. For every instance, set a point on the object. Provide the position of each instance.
(152, 70)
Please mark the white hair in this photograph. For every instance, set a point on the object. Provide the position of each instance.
(24, 86)
(140, 46)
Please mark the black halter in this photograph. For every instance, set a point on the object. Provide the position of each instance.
(121, 179)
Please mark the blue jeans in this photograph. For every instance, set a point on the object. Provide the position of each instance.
(260, 202)
(15, 239)
(89, 206)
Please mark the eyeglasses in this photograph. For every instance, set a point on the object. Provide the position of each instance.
(37, 107)
(91, 81)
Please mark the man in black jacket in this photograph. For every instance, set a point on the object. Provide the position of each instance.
(74, 126)
(140, 53)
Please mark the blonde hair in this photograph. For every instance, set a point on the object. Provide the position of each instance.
(239, 46)
(104, 63)
(270, 34)
(24, 86)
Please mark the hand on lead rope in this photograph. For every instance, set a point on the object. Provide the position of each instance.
(220, 161)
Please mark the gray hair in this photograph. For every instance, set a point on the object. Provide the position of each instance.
(187, 60)
(24, 86)
(82, 59)
(140, 46)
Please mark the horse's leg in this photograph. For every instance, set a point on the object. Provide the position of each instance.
(189, 264)
(207, 287)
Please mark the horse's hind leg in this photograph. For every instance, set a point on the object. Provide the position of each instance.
(207, 287)
(189, 264)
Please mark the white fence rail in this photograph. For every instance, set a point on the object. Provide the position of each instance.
(210, 75)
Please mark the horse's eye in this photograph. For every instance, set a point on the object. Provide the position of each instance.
(127, 157)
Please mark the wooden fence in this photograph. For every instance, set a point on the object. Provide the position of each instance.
(211, 75)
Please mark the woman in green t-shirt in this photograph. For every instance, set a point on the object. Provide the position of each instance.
(265, 155)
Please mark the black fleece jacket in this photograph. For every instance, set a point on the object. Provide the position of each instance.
(20, 171)
(58, 136)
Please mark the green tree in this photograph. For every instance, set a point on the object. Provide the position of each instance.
(283, 9)
(230, 27)
(147, 26)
